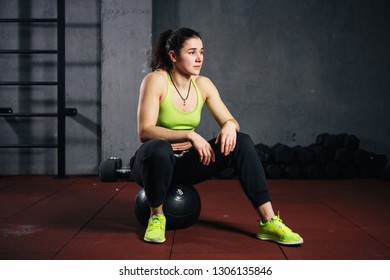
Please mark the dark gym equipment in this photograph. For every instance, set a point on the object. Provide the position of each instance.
(320, 138)
(350, 171)
(321, 155)
(370, 164)
(264, 152)
(385, 173)
(351, 142)
(332, 170)
(111, 169)
(283, 154)
(379, 161)
(312, 171)
(331, 141)
(344, 156)
(302, 155)
(331, 156)
(181, 207)
(273, 171)
(293, 171)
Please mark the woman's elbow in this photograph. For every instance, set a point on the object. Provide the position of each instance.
(144, 135)
(143, 138)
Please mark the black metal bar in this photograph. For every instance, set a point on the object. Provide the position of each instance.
(61, 160)
(28, 146)
(27, 83)
(29, 20)
(71, 112)
(28, 51)
(7, 112)
(29, 115)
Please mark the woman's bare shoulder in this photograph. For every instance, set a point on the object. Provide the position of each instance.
(156, 77)
(202, 80)
(205, 85)
(154, 84)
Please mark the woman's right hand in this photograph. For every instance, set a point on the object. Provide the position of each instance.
(204, 149)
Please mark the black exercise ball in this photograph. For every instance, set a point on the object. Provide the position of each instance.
(181, 207)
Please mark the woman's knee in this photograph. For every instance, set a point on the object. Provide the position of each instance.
(244, 139)
(158, 150)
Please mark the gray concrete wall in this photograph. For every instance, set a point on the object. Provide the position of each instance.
(126, 40)
(288, 70)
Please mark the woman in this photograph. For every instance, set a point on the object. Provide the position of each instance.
(169, 110)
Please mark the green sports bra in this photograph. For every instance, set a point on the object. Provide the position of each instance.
(171, 117)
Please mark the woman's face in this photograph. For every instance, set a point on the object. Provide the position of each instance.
(190, 58)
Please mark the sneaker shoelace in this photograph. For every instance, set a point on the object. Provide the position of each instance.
(156, 222)
(280, 223)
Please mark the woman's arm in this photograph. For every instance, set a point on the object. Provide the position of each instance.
(229, 125)
(151, 93)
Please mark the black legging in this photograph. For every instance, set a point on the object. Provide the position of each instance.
(155, 168)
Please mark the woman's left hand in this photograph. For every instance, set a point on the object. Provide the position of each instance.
(227, 137)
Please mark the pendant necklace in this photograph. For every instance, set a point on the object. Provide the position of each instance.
(188, 93)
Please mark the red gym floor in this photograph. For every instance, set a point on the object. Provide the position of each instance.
(82, 218)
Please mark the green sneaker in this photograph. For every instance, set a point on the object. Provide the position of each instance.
(155, 232)
(275, 230)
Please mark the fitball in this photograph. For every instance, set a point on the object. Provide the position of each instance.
(181, 207)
